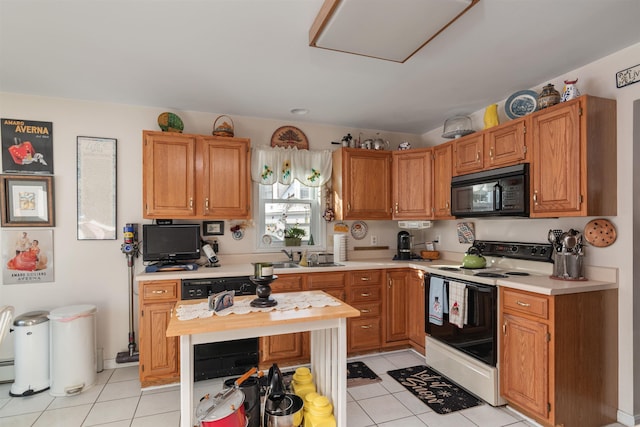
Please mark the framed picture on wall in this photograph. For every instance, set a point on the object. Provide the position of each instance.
(27, 201)
(213, 228)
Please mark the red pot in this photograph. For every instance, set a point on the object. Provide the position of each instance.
(228, 413)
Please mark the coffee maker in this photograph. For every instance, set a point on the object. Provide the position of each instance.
(404, 245)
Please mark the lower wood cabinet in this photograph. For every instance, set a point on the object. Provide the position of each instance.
(364, 292)
(558, 359)
(159, 355)
(416, 309)
(396, 304)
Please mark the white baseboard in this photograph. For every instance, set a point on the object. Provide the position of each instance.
(111, 364)
(628, 419)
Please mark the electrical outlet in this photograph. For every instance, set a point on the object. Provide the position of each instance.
(374, 240)
(437, 239)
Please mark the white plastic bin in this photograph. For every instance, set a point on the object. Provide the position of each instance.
(73, 349)
(31, 366)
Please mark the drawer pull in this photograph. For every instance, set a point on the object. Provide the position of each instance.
(365, 294)
(523, 304)
(365, 310)
(366, 326)
(163, 291)
(365, 279)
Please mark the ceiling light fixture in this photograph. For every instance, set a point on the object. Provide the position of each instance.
(386, 29)
(299, 111)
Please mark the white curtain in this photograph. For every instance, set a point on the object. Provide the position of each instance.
(278, 164)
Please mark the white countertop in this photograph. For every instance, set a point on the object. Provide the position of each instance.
(601, 278)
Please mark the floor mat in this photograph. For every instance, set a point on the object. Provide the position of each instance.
(435, 390)
(360, 374)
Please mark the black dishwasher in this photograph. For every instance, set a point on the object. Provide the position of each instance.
(226, 358)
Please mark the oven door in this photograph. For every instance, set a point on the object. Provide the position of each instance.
(478, 337)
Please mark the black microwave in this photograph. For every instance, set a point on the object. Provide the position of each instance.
(497, 192)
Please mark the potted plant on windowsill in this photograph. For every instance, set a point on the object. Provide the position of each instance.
(293, 236)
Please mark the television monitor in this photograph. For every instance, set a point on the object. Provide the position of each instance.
(169, 244)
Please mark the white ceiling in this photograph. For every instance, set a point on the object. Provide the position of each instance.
(251, 57)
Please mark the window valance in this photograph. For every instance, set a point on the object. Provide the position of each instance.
(278, 164)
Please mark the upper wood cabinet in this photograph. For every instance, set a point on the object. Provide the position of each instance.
(412, 180)
(498, 146)
(195, 176)
(362, 184)
(442, 173)
(573, 166)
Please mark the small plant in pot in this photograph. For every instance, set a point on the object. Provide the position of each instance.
(293, 236)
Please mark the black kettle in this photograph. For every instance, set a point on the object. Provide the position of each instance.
(281, 408)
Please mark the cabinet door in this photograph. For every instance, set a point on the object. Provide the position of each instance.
(556, 170)
(468, 154)
(224, 185)
(505, 144)
(363, 334)
(396, 307)
(367, 184)
(168, 165)
(442, 172)
(412, 180)
(416, 310)
(524, 371)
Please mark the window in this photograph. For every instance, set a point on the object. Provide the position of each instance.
(285, 205)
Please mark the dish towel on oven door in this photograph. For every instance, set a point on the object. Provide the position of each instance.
(458, 301)
(437, 300)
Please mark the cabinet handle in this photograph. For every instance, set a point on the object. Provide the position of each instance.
(396, 207)
(163, 291)
(390, 283)
(365, 294)
(366, 326)
(190, 202)
(477, 156)
(491, 153)
(365, 310)
(446, 205)
(523, 304)
(348, 206)
(365, 278)
(206, 204)
(535, 197)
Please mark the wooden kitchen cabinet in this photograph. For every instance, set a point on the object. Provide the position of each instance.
(442, 173)
(396, 303)
(558, 357)
(195, 176)
(573, 165)
(286, 348)
(416, 289)
(159, 355)
(361, 184)
(499, 146)
(412, 181)
(364, 292)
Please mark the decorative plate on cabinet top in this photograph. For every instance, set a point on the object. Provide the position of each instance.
(289, 136)
(521, 103)
(359, 230)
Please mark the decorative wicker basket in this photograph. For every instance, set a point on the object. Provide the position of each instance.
(223, 128)
(430, 254)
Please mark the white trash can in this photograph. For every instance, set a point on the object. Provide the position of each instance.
(73, 349)
(31, 366)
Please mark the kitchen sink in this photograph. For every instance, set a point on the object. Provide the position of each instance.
(285, 265)
(327, 264)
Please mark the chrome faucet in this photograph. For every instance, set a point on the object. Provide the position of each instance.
(288, 254)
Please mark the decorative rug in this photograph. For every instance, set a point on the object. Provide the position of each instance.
(360, 374)
(435, 390)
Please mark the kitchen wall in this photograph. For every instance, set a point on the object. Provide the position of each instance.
(95, 271)
(598, 79)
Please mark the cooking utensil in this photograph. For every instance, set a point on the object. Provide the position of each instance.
(281, 409)
(226, 408)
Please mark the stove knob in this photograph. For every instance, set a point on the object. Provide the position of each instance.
(533, 251)
(514, 248)
(543, 251)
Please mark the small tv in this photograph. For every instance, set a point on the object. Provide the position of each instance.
(170, 244)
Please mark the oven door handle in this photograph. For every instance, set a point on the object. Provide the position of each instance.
(497, 197)
(485, 289)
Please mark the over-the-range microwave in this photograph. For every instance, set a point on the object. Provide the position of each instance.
(497, 192)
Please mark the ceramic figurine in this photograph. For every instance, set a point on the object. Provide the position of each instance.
(570, 90)
(491, 116)
(548, 97)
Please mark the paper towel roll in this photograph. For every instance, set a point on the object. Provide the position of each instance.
(339, 247)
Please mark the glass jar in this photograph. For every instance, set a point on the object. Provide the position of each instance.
(548, 97)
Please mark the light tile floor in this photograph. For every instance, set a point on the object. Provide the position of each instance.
(117, 401)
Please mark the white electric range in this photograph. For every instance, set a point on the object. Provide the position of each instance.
(468, 355)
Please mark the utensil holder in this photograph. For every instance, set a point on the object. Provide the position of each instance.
(568, 266)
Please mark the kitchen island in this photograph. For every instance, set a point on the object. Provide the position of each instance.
(328, 345)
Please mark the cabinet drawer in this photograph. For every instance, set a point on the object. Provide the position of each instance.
(534, 305)
(324, 281)
(338, 293)
(364, 294)
(288, 283)
(159, 290)
(365, 277)
(364, 334)
(369, 310)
